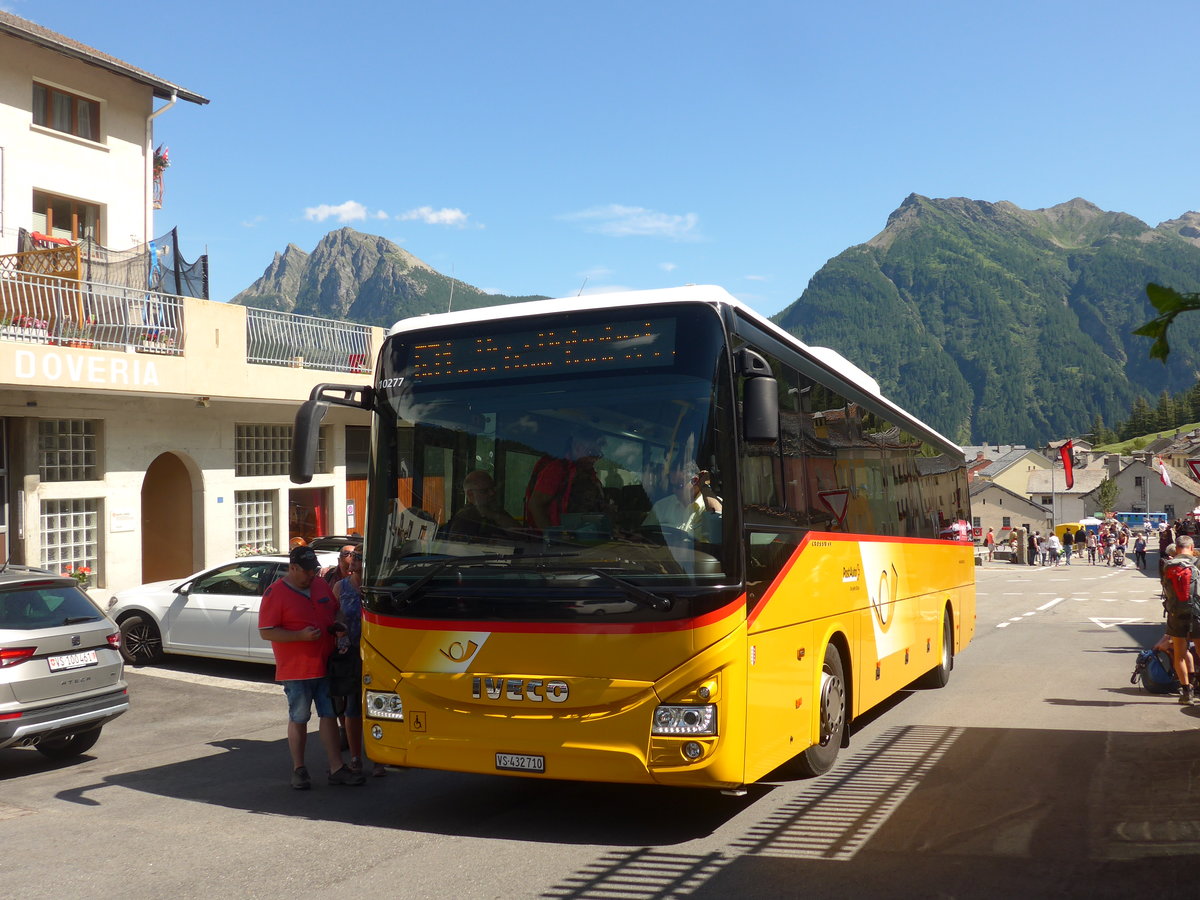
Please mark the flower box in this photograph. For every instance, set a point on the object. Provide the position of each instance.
(31, 335)
(155, 347)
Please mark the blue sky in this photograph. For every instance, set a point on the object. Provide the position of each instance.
(538, 147)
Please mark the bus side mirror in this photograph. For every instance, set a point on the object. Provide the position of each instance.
(760, 399)
(307, 431)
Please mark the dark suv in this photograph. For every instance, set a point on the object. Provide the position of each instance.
(61, 673)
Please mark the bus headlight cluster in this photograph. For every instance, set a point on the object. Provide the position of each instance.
(382, 705)
(686, 720)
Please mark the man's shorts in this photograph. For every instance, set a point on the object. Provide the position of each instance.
(302, 694)
(1182, 626)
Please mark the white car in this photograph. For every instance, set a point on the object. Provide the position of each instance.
(212, 613)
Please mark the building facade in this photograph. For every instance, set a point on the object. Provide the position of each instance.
(143, 435)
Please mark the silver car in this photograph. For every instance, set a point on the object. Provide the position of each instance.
(61, 672)
(213, 613)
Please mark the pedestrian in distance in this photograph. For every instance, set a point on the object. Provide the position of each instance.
(1043, 549)
(1053, 547)
(1068, 545)
(300, 617)
(1031, 549)
(1090, 544)
(1139, 551)
(989, 541)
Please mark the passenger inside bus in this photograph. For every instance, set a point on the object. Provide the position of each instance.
(483, 516)
(567, 491)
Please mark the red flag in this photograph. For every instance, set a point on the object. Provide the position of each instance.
(1068, 463)
(1162, 471)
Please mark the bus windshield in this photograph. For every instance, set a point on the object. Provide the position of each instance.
(576, 468)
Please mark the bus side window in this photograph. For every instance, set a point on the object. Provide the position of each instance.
(766, 555)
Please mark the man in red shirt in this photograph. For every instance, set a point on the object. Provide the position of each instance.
(298, 616)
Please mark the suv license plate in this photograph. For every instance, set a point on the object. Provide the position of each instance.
(72, 661)
(519, 762)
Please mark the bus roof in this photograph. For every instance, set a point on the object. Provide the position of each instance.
(829, 359)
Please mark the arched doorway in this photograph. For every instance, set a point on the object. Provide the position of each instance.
(167, 520)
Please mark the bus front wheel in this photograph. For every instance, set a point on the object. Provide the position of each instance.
(820, 757)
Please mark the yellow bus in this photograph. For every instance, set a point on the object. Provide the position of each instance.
(646, 537)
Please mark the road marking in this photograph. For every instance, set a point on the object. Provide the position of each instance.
(235, 684)
(1054, 602)
(1109, 623)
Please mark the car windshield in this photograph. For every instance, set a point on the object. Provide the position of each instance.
(554, 482)
(32, 606)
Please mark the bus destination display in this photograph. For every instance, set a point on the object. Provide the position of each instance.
(570, 349)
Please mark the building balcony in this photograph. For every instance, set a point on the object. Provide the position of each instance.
(50, 319)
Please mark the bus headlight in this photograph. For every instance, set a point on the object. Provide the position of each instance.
(685, 720)
(382, 705)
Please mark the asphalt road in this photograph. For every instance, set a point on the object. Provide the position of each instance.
(1039, 771)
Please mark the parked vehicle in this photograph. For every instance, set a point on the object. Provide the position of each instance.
(335, 542)
(61, 674)
(213, 613)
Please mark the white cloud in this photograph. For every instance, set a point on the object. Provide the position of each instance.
(616, 220)
(756, 277)
(350, 211)
(431, 216)
(250, 223)
(596, 272)
(668, 267)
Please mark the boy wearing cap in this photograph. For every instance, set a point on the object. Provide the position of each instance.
(298, 615)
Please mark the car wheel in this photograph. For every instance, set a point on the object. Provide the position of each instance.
(141, 641)
(819, 758)
(940, 677)
(68, 745)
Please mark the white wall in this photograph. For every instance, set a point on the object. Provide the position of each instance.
(113, 173)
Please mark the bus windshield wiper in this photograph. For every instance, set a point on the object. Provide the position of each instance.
(639, 594)
(404, 596)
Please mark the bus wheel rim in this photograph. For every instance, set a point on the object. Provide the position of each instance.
(833, 706)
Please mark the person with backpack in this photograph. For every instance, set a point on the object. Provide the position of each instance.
(1181, 600)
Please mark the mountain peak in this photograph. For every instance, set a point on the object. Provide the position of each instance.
(362, 278)
(1186, 226)
(985, 318)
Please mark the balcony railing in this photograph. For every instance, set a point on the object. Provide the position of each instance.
(43, 302)
(51, 309)
(287, 339)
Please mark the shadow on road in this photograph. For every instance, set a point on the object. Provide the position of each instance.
(947, 812)
(253, 776)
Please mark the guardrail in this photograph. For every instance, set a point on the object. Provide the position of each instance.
(43, 309)
(308, 342)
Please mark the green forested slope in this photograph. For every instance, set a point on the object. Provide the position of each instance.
(996, 323)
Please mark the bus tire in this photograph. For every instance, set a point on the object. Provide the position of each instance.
(820, 757)
(940, 677)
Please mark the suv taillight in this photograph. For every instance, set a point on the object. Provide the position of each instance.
(114, 640)
(10, 656)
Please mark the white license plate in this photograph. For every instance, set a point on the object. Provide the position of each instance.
(519, 762)
(72, 661)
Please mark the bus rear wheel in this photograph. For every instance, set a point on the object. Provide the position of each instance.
(940, 677)
(819, 758)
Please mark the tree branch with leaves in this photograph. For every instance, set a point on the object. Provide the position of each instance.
(1169, 303)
